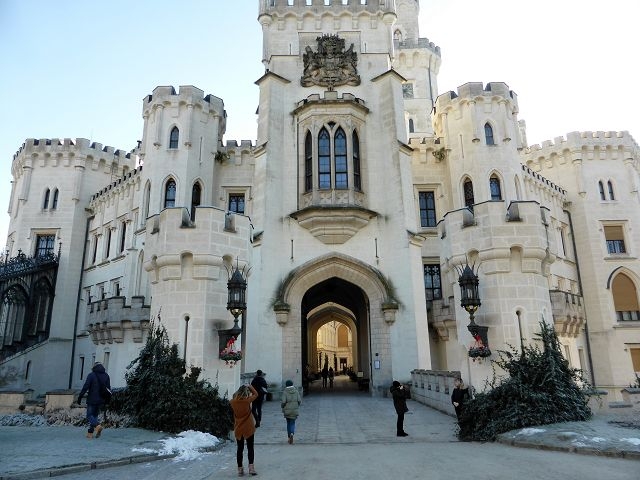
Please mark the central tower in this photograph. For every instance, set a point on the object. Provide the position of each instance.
(345, 84)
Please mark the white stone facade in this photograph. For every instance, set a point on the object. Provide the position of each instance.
(362, 179)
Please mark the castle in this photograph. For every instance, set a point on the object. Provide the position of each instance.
(364, 198)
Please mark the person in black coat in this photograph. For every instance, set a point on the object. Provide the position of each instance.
(459, 396)
(400, 395)
(95, 400)
(260, 384)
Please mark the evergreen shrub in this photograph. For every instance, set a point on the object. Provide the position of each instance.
(163, 395)
(540, 388)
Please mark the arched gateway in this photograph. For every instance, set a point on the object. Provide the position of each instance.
(339, 288)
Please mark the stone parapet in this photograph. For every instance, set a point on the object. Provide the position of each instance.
(433, 388)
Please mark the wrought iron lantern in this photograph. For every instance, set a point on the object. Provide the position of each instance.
(470, 301)
(236, 304)
(237, 287)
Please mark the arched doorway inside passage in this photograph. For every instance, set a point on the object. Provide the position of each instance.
(318, 287)
(335, 336)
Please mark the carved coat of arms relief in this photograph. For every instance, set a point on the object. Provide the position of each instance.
(330, 65)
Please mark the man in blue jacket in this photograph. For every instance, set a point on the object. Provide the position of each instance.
(95, 399)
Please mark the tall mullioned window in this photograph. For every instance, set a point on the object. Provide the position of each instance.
(355, 145)
(170, 194)
(432, 282)
(45, 245)
(324, 160)
(340, 159)
(427, 202)
(236, 203)
(308, 162)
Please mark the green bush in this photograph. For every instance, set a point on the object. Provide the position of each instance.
(162, 394)
(541, 388)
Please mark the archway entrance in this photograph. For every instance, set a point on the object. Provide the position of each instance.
(335, 337)
(337, 288)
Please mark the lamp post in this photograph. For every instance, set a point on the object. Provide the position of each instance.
(470, 301)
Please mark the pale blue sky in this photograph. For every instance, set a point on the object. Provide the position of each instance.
(81, 68)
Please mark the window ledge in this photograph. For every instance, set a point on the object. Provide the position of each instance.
(627, 324)
(620, 256)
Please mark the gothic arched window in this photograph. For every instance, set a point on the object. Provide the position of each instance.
(601, 189)
(40, 304)
(173, 137)
(308, 162)
(468, 194)
(324, 160)
(12, 312)
(54, 202)
(340, 158)
(170, 194)
(625, 298)
(488, 134)
(494, 187)
(357, 181)
(45, 204)
(610, 188)
(411, 128)
(196, 193)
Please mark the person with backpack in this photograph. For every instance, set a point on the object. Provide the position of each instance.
(97, 386)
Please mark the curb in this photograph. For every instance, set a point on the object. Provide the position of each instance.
(83, 467)
(626, 454)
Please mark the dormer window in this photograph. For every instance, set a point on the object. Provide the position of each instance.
(173, 137)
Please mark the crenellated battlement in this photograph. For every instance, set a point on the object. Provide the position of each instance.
(126, 179)
(278, 8)
(244, 144)
(542, 182)
(421, 43)
(579, 146)
(186, 95)
(587, 139)
(79, 146)
(474, 91)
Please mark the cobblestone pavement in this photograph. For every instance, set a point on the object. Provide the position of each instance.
(341, 433)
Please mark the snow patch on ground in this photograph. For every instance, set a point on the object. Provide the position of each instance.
(633, 441)
(598, 439)
(188, 445)
(530, 431)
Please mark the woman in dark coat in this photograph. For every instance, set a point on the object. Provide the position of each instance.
(459, 396)
(400, 395)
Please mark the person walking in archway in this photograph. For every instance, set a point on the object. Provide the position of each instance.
(325, 375)
(290, 408)
(331, 375)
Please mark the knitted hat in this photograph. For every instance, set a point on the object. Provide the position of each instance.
(259, 373)
(396, 383)
(288, 383)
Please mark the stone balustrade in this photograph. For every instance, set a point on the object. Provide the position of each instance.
(433, 388)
